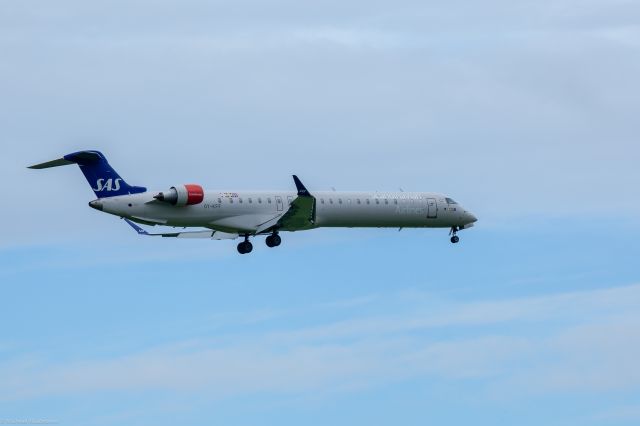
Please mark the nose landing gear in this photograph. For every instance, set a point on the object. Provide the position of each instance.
(454, 237)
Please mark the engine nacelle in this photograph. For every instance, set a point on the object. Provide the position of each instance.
(183, 195)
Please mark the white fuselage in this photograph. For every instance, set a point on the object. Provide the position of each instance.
(244, 211)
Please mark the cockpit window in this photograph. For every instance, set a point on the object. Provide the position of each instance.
(450, 201)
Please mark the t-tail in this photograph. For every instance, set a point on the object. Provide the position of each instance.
(104, 180)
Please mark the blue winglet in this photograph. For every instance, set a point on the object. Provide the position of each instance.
(302, 191)
(136, 227)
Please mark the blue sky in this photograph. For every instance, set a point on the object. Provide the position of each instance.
(523, 111)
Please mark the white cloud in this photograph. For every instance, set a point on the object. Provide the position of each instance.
(585, 341)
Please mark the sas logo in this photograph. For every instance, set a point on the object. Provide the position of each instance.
(107, 185)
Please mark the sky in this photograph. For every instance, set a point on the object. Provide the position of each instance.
(523, 111)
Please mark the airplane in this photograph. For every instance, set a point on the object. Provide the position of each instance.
(244, 214)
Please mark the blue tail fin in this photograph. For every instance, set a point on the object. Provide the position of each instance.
(104, 181)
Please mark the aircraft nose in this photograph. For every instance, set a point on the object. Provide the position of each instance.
(471, 217)
(96, 204)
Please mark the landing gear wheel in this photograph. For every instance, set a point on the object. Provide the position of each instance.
(273, 240)
(454, 237)
(245, 247)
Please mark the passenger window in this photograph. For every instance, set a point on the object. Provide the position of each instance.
(321, 200)
(259, 200)
(269, 200)
(231, 200)
(339, 200)
(330, 200)
(386, 201)
(358, 201)
(377, 201)
(395, 201)
(250, 200)
(219, 200)
(240, 200)
(368, 201)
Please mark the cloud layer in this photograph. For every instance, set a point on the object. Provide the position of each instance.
(582, 341)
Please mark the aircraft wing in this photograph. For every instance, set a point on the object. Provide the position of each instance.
(269, 224)
(214, 235)
(302, 211)
(300, 215)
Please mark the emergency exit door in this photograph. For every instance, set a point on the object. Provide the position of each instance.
(432, 208)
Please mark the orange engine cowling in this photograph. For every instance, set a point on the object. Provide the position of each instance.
(183, 195)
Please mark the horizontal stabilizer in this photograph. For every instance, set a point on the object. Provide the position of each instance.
(53, 163)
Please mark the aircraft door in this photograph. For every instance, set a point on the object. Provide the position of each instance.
(432, 208)
(279, 203)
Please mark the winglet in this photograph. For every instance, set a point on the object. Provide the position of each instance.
(136, 227)
(302, 191)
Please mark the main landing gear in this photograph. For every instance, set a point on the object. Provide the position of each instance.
(454, 237)
(273, 240)
(245, 246)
